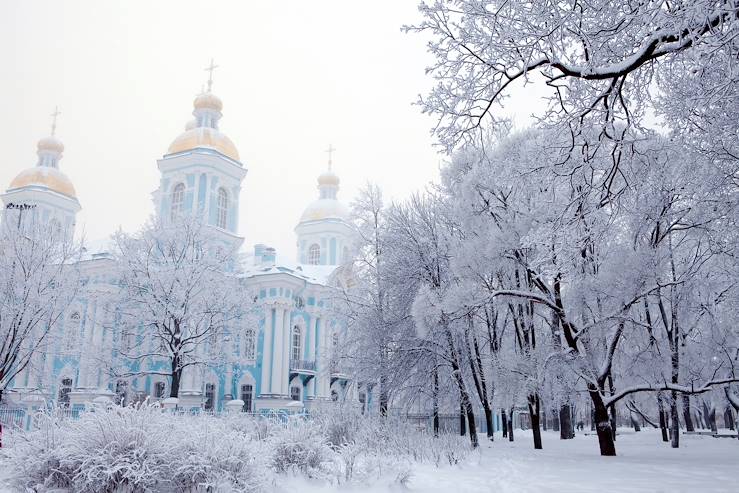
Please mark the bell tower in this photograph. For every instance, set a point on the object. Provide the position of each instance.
(201, 173)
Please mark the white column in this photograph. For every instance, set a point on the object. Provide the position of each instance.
(266, 384)
(311, 342)
(286, 351)
(97, 346)
(85, 352)
(227, 392)
(278, 353)
(324, 373)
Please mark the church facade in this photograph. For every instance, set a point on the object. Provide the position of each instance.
(283, 360)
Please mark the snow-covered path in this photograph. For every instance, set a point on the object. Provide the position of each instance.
(644, 464)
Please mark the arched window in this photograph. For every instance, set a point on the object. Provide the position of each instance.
(250, 341)
(363, 401)
(314, 254)
(247, 395)
(64, 389)
(222, 208)
(296, 352)
(210, 396)
(160, 389)
(178, 200)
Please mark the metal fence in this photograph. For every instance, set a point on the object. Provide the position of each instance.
(13, 418)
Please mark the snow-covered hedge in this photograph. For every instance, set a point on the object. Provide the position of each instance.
(144, 448)
(136, 449)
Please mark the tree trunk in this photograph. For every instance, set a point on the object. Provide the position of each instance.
(602, 424)
(504, 422)
(675, 424)
(533, 401)
(592, 418)
(510, 425)
(464, 397)
(687, 417)
(489, 421)
(566, 428)
(435, 404)
(728, 418)
(612, 410)
(634, 422)
(462, 422)
(174, 389)
(662, 419)
(712, 419)
(544, 417)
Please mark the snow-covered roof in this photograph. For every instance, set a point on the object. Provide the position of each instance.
(97, 248)
(316, 274)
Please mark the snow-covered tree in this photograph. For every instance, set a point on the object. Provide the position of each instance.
(599, 60)
(39, 278)
(180, 291)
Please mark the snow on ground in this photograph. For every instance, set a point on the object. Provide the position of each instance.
(644, 464)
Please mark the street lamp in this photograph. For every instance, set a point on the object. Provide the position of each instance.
(20, 208)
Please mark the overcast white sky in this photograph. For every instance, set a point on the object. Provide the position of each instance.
(294, 76)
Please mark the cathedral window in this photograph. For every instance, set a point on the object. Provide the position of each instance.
(250, 340)
(73, 331)
(314, 254)
(159, 390)
(222, 208)
(64, 389)
(178, 200)
(296, 344)
(210, 396)
(247, 395)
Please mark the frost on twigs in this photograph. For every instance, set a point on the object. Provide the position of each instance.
(144, 448)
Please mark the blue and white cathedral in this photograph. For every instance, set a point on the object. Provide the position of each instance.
(285, 360)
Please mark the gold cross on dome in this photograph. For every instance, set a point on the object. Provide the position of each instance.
(330, 152)
(53, 119)
(210, 70)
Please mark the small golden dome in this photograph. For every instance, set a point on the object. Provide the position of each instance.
(209, 101)
(47, 177)
(204, 137)
(50, 144)
(325, 209)
(328, 178)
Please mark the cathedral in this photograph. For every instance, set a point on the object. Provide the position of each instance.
(285, 362)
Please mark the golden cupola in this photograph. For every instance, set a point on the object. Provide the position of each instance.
(203, 132)
(327, 206)
(46, 174)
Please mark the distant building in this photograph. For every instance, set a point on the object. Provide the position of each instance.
(289, 355)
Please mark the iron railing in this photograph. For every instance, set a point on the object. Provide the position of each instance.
(302, 364)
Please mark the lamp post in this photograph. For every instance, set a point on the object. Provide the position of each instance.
(20, 208)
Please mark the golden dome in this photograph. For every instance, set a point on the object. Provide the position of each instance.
(328, 178)
(204, 137)
(50, 144)
(325, 209)
(208, 100)
(47, 177)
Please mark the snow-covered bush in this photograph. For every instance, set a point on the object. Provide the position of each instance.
(136, 449)
(300, 446)
(144, 448)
